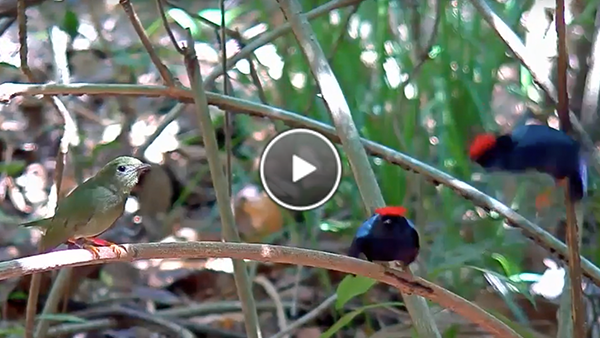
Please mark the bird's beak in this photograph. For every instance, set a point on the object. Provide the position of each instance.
(143, 168)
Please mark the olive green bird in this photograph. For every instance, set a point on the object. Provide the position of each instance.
(92, 208)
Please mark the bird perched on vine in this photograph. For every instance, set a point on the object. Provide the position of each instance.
(387, 236)
(92, 208)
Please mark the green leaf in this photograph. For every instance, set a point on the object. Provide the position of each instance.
(13, 168)
(184, 20)
(18, 331)
(351, 287)
(347, 318)
(62, 317)
(17, 295)
(70, 24)
(507, 266)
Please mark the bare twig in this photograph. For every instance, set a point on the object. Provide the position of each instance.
(311, 315)
(163, 16)
(232, 33)
(23, 48)
(342, 119)
(431, 174)
(571, 323)
(227, 121)
(256, 81)
(273, 34)
(403, 281)
(139, 29)
(271, 291)
(229, 229)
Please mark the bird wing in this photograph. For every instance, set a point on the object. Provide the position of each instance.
(363, 231)
(74, 212)
(365, 228)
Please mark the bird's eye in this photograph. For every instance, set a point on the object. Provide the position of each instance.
(121, 168)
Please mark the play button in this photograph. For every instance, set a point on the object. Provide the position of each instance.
(300, 169)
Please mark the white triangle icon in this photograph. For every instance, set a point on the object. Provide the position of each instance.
(301, 168)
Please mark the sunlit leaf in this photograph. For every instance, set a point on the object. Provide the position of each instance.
(214, 15)
(12, 168)
(184, 20)
(70, 23)
(62, 317)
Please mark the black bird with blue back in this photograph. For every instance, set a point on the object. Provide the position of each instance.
(387, 236)
(534, 147)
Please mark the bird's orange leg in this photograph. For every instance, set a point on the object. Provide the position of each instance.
(91, 249)
(117, 249)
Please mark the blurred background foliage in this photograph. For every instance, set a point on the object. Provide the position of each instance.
(420, 77)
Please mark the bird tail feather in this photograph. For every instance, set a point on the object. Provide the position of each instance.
(354, 250)
(579, 181)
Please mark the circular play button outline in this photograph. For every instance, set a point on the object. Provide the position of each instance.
(297, 160)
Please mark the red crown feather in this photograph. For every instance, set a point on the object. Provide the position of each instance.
(391, 211)
(481, 144)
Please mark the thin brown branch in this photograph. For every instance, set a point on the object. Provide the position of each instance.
(341, 116)
(405, 282)
(229, 229)
(576, 318)
(232, 33)
(23, 48)
(256, 81)
(530, 230)
(227, 121)
(163, 16)
(164, 72)
(273, 34)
